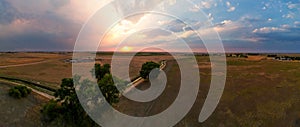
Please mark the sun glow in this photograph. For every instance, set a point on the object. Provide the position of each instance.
(120, 31)
(126, 49)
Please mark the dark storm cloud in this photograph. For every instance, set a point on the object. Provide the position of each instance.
(7, 13)
(43, 31)
(35, 40)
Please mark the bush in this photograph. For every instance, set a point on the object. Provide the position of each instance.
(51, 110)
(14, 93)
(19, 92)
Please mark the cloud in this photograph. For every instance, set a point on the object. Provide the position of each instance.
(297, 23)
(195, 8)
(227, 25)
(42, 29)
(251, 19)
(290, 15)
(8, 13)
(187, 34)
(269, 30)
(291, 5)
(55, 23)
(210, 17)
(130, 6)
(283, 34)
(155, 33)
(270, 19)
(36, 40)
(230, 7)
(204, 4)
(176, 26)
(59, 3)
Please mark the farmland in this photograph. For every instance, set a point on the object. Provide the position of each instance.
(52, 67)
(259, 91)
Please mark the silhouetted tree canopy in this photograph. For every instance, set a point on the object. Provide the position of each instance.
(99, 71)
(147, 68)
(66, 109)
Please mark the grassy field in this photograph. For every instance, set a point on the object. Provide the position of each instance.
(49, 71)
(23, 112)
(51, 67)
(259, 91)
(23, 58)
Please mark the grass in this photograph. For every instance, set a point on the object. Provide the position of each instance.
(23, 58)
(51, 72)
(19, 112)
(258, 91)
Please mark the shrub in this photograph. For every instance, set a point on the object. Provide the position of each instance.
(51, 110)
(14, 93)
(19, 92)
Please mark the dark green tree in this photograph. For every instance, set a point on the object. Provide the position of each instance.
(99, 71)
(66, 106)
(106, 83)
(147, 68)
(51, 110)
(108, 89)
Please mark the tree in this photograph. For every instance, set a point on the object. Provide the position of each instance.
(99, 71)
(51, 110)
(108, 89)
(106, 83)
(147, 68)
(67, 106)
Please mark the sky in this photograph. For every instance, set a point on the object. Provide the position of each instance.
(241, 25)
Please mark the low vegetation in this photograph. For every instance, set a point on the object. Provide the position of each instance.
(19, 92)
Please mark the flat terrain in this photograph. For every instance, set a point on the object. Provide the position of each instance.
(23, 112)
(259, 91)
(49, 68)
